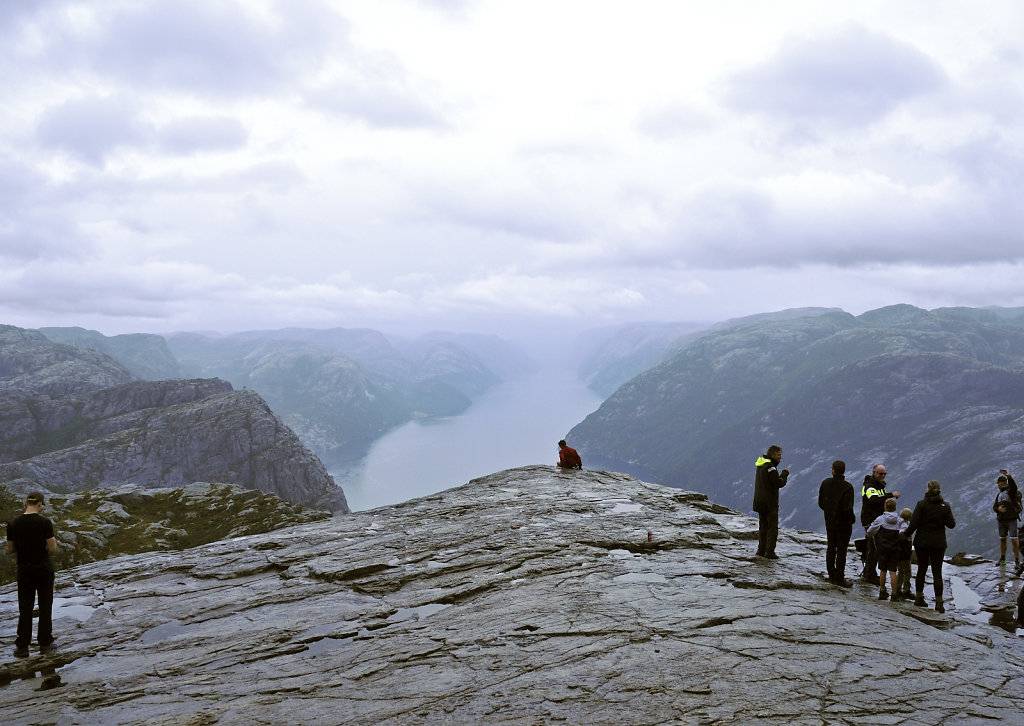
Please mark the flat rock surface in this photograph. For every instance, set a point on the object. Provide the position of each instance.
(530, 596)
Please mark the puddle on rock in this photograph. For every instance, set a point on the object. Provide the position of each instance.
(968, 604)
(324, 645)
(622, 506)
(166, 631)
(72, 607)
(417, 613)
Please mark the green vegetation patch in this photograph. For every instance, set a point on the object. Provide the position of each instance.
(98, 524)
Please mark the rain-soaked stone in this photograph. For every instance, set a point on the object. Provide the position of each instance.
(530, 596)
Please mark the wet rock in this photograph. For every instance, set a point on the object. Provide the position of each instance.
(528, 596)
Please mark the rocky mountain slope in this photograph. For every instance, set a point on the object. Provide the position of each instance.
(933, 395)
(102, 523)
(145, 355)
(612, 356)
(31, 364)
(340, 389)
(528, 596)
(69, 422)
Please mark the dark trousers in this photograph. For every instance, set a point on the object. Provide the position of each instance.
(835, 552)
(33, 583)
(767, 531)
(870, 557)
(929, 557)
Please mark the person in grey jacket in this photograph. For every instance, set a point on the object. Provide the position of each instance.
(928, 524)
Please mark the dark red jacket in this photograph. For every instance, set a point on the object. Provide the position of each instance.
(568, 458)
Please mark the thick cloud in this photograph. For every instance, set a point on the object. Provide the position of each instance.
(205, 47)
(273, 162)
(850, 77)
(91, 128)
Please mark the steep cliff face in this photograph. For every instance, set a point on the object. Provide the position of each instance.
(528, 596)
(333, 402)
(933, 395)
(116, 437)
(69, 422)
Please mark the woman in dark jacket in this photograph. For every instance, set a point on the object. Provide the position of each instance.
(931, 517)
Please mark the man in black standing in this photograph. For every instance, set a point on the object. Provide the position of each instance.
(872, 504)
(835, 498)
(767, 482)
(30, 537)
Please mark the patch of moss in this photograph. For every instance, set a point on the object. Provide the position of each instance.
(10, 507)
(182, 521)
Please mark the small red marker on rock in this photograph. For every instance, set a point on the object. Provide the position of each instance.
(649, 536)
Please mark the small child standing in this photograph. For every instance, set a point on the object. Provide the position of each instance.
(886, 530)
(903, 564)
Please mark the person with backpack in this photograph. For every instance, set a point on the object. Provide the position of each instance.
(568, 457)
(928, 524)
(767, 482)
(835, 499)
(1007, 507)
(886, 529)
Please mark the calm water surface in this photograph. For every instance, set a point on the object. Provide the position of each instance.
(515, 424)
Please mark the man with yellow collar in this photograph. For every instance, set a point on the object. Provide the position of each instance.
(767, 483)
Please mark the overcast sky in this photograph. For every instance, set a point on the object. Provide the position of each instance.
(236, 164)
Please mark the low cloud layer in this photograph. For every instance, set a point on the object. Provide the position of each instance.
(220, 164)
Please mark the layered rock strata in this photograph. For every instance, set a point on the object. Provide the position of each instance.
(528, 596)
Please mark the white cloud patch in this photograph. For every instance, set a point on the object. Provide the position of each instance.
(219, 47)
(91, 128)
(849, 77)
(241, 163)
(209, 133)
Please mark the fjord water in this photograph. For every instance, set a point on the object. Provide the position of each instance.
(514, 424)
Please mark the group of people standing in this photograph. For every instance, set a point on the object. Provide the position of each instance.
(889, 535)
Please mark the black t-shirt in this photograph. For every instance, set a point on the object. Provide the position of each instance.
(29, 533)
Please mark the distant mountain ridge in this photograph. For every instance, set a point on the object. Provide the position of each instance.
(936, 394)
(340, 389)
(146, 355)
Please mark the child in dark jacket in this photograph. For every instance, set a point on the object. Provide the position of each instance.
(903, 565)
(886, 530)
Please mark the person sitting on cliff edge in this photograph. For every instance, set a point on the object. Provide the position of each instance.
(568, 457)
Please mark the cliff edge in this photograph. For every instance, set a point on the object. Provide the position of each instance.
(527, 596)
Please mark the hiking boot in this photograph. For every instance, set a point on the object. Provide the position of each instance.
(883, 594)
(939, 608)
(1001, 562)
(843, 582)
(48, 648)
(20, 651)
(919, 601)
(771, 556)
